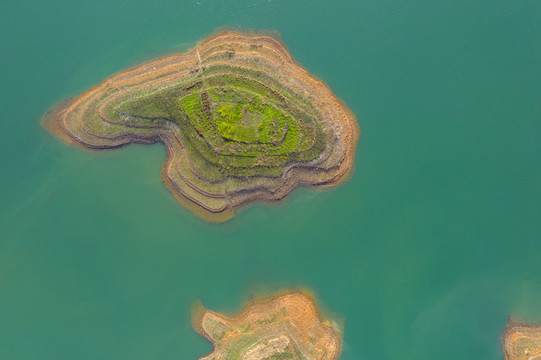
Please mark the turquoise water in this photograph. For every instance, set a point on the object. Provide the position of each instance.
(424, 254)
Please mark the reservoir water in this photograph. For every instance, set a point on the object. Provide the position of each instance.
(424, 253)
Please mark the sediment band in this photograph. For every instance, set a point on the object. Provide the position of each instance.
(522, 341)
(240, 120)
(282, 327)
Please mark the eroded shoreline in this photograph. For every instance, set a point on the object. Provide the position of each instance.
(286, 325)
(91, 120)
(521, 341)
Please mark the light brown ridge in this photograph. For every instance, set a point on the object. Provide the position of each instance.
(213, 201)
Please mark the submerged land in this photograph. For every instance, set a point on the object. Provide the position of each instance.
(282, 327)
(522, 341)
(240, 120)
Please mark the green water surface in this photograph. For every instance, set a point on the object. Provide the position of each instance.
(423, 254)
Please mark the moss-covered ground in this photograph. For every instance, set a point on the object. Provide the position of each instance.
(239, 126)
(285, 327)
(240, 121)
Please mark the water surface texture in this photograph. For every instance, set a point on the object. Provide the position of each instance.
(423, 254)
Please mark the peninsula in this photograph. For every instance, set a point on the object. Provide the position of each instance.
(240, 120)
(282, 327)
(521, 341)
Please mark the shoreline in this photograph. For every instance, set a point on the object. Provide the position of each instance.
(521, 340)
(68, 116)
(298, 306)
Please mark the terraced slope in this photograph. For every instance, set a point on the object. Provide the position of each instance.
(283, 327)
(522, 342)
(240, 120)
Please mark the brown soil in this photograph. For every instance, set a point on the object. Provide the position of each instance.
(521, 341)
(67, 121)
(288, 322)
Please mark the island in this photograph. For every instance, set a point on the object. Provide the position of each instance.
(521, 341)
(286, 326)
(241, 121)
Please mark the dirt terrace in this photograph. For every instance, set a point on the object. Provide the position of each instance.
(286, 326)
(521, 341)
(86, 121)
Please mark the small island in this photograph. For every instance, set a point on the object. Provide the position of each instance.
(241, 121)
(287, 326)
(521, 341)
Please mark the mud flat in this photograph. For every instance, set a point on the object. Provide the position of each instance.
(522, 341)
(240, 119)
(287, 326)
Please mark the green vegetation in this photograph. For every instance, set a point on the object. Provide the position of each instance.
(193, 107)
(238, 126)
(234, 123)
(283, 356)
(217, 328)
(239, 121)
